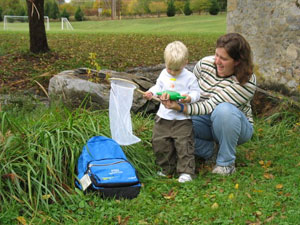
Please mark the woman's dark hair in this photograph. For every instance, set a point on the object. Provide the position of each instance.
(239, 49)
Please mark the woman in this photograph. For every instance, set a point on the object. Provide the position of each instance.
(223, 114)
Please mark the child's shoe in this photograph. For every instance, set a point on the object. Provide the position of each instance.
(161, 174)
(184, 177)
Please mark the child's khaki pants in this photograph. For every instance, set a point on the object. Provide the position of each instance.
(173, 145)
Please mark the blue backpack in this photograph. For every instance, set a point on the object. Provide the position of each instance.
(103, 166)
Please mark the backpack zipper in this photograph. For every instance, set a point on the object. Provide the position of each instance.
(108, 164)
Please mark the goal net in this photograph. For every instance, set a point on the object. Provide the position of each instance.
(65, 24)
(20, 22)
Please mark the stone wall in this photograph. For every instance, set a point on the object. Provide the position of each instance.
(272, 28)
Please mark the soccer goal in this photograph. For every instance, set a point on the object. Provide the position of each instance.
(18, 22)
(65, 24)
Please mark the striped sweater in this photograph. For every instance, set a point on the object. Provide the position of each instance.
(215, 90)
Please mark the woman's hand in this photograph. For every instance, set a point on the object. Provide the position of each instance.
(187, 99)
(165, 100)
(171, 104)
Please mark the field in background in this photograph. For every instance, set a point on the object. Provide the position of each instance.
(193, 24)
(118, 44)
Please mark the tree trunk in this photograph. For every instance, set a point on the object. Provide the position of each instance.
(37, 32)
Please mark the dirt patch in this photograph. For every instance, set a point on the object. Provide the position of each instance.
(263, 105)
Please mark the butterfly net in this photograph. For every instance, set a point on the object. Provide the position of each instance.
(120, 102)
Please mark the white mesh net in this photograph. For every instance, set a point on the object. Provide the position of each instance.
(120, 102)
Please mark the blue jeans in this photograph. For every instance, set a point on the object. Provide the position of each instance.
(226, 125)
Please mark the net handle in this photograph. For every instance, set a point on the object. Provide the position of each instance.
(137, 88)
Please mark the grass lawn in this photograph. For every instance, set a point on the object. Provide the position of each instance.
(193, 24)
(39, 146)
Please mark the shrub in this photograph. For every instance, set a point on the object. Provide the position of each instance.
(187, 10)
(171, 10)
(79, 16)
(214, 8)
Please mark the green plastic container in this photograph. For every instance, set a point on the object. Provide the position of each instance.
(173, 95)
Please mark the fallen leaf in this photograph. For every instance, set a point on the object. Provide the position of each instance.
(279, 186)
(268, 176)
(91, 203)
(46, 197)
(215, 206)
(22, 220)
(258, 213)
(253, 223)
(261, 162)
(268, 163)
(269, 219)
(143, 222)
(236, 186)
(125, 221)
(231, 196)
(171, 195)
(11, 176)
(212, 196)
(249, 155)
(17, 199)
(248, 195)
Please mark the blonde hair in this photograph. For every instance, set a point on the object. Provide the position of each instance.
(176, 55)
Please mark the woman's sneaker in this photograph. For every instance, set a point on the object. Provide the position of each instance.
(184, 177)
(224, 170)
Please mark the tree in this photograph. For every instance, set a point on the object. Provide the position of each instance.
(135, 7)
(223, 5)
(171, 10)
(13, 5)
(47, 9)
(214, 8)
(37, 32)
(54, 12)
(144, 4)
(20, 11)
(158, 7)
(200, 5)
(1, 17)
(65, 14)
(187, 10)
(79, 14)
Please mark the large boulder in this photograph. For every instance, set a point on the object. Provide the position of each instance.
(79, 88)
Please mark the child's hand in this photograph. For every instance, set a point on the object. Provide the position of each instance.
(186, 100)
(148, 95)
